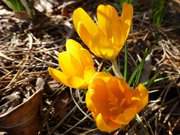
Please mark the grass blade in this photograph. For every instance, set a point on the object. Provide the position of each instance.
(141, 68)
(136, 75)
(15, 5)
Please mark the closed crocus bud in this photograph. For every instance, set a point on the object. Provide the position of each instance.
(107, 36)
(112, 102)
(76, 64)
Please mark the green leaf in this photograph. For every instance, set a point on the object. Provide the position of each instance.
(141, 68)
(21, 5)
(136, 75)
(15, 5)
(158, 12)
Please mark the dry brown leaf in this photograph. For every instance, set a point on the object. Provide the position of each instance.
(23, 119)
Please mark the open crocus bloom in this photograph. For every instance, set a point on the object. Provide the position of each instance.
(76, 64)
(112, 102)
(106, 37)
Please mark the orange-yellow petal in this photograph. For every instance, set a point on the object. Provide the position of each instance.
(58, 75)
(86, 37)
(127, 13)
(100, 95)
(125, 117)
(73, 47)
(89, 102)
(69, 64)
(81, 55)
(126, 18)
(80, 16)
(106, 15)
(77, 82)
(74, 82)
(104, 125)
(141, 92)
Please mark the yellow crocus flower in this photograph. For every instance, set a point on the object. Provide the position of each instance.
(106, 37)
(112, 102)
(76, 66)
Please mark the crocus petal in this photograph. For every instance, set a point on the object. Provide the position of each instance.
(125, 117)
(109, 23)
(80, 16)
(91, 91)
(105, 126)
(88, 74)
(69, 63)
(73, 47)
(81, 55)
(100, 96)
(73, 82)
(113, 85)
(89, 102)
(85, 35)
(127, 13)
(77, 82)
(125, 89)
(142, 93)
(126, 17)
(58, 75)
(86, 60)
(104, 51)
(106, 15)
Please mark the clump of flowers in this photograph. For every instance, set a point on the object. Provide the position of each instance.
(112, 102)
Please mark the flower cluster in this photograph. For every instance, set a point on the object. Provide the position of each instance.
(112, 102)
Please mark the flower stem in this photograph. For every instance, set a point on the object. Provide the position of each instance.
(116, 68)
